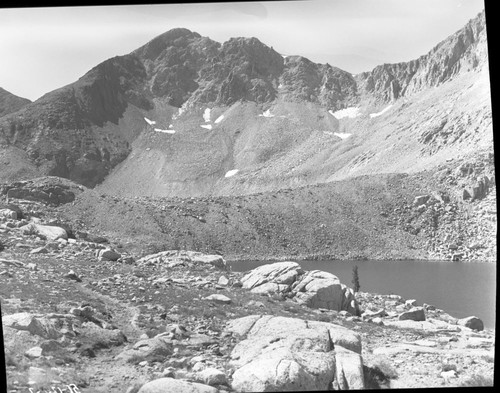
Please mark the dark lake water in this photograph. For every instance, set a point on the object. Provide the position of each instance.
(460, 289)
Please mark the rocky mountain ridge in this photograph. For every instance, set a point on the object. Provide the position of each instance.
(463, 51)
(84, 130)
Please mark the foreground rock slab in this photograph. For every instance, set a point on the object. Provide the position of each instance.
(170, 385)
(290, 354)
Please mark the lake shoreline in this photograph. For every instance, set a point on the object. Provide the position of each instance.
(450, 286)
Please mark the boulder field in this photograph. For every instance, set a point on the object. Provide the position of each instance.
(85, 310)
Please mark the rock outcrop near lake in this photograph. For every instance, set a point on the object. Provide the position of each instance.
(316, 289)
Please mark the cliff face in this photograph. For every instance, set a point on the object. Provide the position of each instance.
(465, 50)
(83, 130)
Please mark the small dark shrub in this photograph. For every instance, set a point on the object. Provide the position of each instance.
(448, 367)
(355, 279)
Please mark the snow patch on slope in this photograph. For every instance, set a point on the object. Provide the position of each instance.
(165, 131)
(232, 172)
(219, 119)
(206, 115)
(181, 110)
(372, 115)
(207, 126)
(267, 114)
(150, 122)
(342, 135)
(350, 113)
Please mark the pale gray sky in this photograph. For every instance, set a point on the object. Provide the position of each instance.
(46, 48)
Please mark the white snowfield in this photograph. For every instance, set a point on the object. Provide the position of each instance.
(171, 126)
(342, 135)
(232, 172)
(267, 114)
(350, 112)
(206, 115)
(150, 122)
(165, 131)
(381, 112)
(207, 126)
(181, 110)
(219, 119)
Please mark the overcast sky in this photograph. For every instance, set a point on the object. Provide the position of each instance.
(46, 48)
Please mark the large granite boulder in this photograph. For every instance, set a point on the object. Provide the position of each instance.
(50, 232)
(472, 323)
(290, 354)
(35, 324)
(284, 273)
(315, 288)
(152, 349)
(414, 314)
(318, 289)
(108, 254)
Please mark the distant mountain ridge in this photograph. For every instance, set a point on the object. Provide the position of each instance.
(84, 130)
(463, 51)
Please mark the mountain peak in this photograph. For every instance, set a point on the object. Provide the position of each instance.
(177, 32)
(175, 37)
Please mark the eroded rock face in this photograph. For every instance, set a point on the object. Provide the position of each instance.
(49, 190)
(315, 289)
(287, 354)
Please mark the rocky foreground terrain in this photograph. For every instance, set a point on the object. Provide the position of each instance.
(82, 308)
